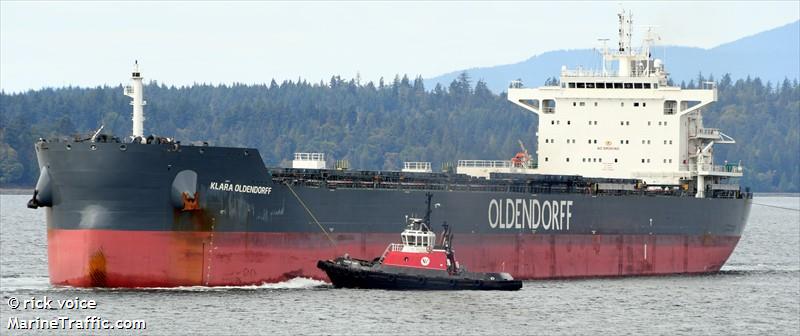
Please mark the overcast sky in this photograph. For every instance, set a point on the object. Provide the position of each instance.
(51, 44)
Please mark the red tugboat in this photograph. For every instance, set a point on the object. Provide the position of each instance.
(417, 263)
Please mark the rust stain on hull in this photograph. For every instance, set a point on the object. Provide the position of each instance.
(97, 269)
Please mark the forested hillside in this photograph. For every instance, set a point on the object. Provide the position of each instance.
(374, 126)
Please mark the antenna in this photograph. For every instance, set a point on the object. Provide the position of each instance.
(604, 53)
(625, 31)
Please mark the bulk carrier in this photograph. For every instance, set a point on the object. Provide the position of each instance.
(624, 183)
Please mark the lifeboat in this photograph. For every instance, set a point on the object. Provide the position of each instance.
(417, 263)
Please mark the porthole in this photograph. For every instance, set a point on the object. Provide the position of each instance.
(123, 147)
(69, 147)
(246, 153)
(93, 147)
(201, 151)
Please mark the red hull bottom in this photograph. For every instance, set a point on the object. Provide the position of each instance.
(107, 258)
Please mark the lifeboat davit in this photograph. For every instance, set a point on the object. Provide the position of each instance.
(417, 263)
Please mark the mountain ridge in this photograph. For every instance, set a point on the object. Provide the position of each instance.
(772, 55)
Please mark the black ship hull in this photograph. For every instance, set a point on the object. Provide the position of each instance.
(116, 217)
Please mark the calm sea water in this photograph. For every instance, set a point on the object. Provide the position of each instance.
(757, 293)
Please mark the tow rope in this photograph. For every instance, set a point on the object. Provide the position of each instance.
(310, 213)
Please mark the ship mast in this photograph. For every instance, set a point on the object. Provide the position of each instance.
(136, 93)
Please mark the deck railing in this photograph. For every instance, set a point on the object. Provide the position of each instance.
(484, 163)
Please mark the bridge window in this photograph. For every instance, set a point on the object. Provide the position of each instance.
(646, 85)
(636, 104)
(637, 85)
(571, 85)
(549, 106)
(628, 85)
(617, 85)
(600, 85)
(590, 85)
(670, 106)
(581, 85)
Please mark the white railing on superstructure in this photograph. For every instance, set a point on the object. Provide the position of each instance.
(484, 163)
(309, 156)
(729, 168)
(417, 167)
(705, 133)
(587, 73)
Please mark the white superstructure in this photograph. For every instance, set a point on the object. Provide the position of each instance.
(309, 161)
(417, 167)
(136, 93)
(625, 121)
